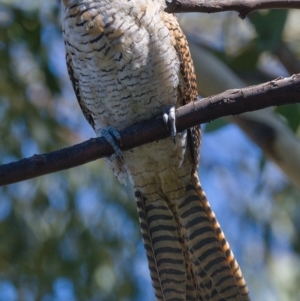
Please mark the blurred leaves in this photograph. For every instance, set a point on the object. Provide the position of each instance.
(269, 27)
(59, 241)
(268, 38)
(215, 125)
(246, 61)
(291, 115)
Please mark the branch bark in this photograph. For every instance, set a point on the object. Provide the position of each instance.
(244, 7)
(280, 91)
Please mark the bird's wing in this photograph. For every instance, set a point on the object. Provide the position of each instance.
(188, 86)
(75, 83)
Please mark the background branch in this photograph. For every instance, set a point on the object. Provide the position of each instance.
(280, 144)
(244, 7)
(232, 102)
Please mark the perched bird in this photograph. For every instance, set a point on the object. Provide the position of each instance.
(129, 61)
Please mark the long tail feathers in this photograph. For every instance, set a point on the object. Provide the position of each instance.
(188, 255)
(238, 282)
(164, 251)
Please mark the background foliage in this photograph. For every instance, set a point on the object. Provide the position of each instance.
(74, 235)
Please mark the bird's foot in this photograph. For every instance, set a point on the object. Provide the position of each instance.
(170, 120)
(109, 134)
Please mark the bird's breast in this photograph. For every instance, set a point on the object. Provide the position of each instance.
(124, 60)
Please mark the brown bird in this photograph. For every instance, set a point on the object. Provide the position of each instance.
(129, 61)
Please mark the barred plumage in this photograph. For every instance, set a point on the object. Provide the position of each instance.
(129, 60)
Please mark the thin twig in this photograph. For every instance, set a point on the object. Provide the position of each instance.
(244, 7)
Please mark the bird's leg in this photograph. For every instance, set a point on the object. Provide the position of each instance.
(109, 134)
(170, 120)
(115, 161)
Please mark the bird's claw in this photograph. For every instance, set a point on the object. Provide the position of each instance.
(170, 120)
(109, 134)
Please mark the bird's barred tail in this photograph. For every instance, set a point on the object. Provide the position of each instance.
(216, 267)
(188, 255)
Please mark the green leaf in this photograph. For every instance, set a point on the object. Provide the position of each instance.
(269, 26)
(291, 114)
(247, 58)
(215, 125)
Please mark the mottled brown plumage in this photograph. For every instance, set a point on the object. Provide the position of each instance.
(129, 61)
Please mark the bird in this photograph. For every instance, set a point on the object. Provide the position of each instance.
(129, 62)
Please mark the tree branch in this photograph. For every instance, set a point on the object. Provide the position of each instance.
(280, 91)
(280, 144)
(244, 7)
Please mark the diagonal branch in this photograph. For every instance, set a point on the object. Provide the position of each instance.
(280, 91)
(244, 7)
